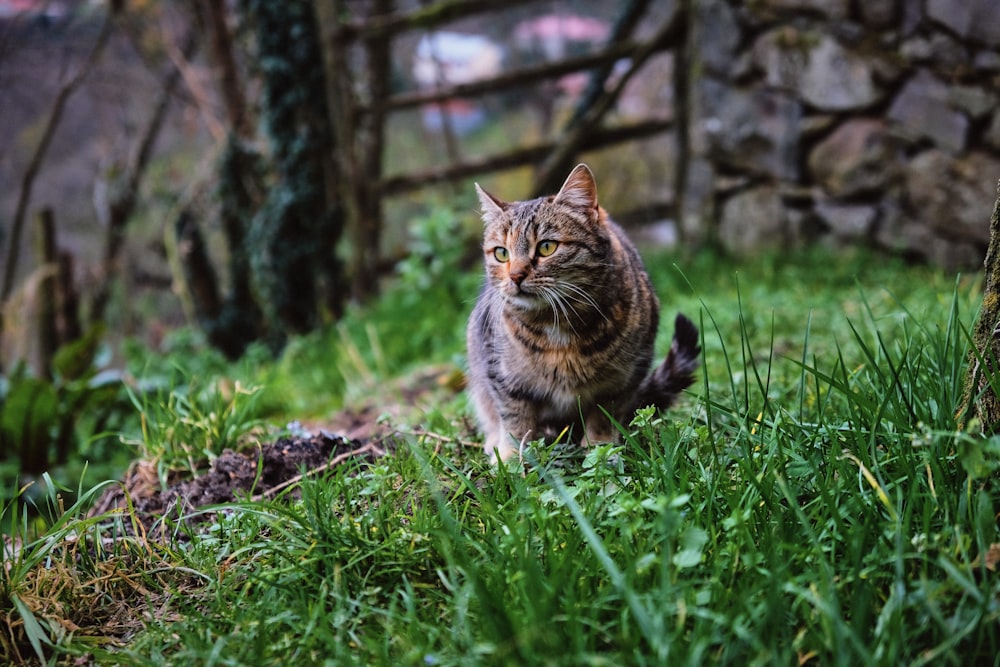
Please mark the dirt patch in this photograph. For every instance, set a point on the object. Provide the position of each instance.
(260, 473)
(362, 433)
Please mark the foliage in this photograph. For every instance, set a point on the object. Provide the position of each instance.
(419, 319)
(48, 423)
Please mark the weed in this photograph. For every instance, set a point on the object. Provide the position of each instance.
(186, 427)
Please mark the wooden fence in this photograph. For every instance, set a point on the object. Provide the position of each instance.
(361, 102)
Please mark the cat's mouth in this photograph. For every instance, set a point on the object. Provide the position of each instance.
(522, 299)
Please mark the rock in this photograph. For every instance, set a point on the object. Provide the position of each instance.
(812, 126)
(899, 232)
(834, 9)
(913, 15)
(879, 13)
(857, 158)
(973, 100)
(940, 51)
(717, 36)
(817, 68)
(848, 222)
(922, 110)
(805, 227)
(751, 130)
(978, 20)
(953, 196)
(956, 255)
(725, 184)
(987, 61)
(753, 220)
(887, 69)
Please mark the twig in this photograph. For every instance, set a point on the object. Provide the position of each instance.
(624, 25)
(370, 448)
(421, 433)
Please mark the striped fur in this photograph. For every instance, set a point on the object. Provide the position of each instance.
(559, 333)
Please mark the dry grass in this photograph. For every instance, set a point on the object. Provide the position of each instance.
(86, 584)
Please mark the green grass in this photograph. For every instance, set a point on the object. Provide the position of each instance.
(810, 501)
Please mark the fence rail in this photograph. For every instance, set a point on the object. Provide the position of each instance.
(361, 105)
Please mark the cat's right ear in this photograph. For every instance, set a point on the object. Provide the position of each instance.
(492, 207)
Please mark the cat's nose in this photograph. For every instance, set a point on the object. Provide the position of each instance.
(518, 273)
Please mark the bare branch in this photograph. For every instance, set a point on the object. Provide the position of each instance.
(220, 41)
(123, 204)
(28, 181)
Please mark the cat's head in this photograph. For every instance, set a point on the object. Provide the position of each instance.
(541, 248)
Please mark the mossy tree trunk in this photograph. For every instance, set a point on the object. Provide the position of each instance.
(980, 401)
(292, 237)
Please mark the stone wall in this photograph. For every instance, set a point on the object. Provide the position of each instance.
(844, 122)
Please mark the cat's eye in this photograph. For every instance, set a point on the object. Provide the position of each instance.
(546, 248)
(501, 254)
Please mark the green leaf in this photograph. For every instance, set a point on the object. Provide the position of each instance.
(30, 409)
(692, 543)
(77, 359)
(980, 458)
(32, 628)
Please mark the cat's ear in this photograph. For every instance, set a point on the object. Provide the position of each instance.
(492, 207)
(580, 189)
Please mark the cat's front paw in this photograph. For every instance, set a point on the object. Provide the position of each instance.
(499, 448)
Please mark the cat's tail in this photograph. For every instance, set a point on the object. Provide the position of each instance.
(662, 387)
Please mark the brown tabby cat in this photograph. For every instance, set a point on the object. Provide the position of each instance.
(566, 322)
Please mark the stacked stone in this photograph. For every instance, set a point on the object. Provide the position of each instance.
(845, 122)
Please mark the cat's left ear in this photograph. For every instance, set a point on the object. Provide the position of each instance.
(492, 207)
(580, 189)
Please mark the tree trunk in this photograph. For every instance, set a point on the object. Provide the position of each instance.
(231, 324)
(345, 125)
(980, 401)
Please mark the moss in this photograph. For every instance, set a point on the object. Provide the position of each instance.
(979, 401)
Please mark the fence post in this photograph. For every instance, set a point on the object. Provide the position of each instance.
(48, 336)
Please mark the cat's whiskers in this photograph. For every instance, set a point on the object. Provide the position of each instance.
(559, 305)
(580, 295)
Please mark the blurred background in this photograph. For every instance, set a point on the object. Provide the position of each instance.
(248, 171)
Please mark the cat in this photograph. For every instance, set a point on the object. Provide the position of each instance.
(565, 323)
